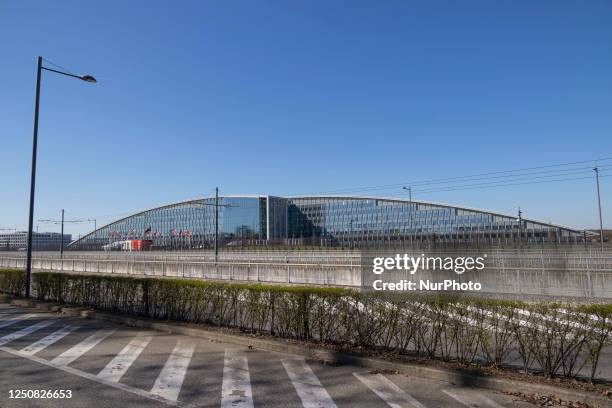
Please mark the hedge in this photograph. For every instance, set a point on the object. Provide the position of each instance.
(555, 339)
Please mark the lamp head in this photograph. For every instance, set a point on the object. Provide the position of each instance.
(89, 78)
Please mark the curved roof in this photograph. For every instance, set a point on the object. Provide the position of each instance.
(193, 200)
(339, 197)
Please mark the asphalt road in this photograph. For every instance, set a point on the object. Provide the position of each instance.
(108, 365)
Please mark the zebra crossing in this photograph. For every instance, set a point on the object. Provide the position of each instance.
(83, 347)
(173, 369)
(170, 379)
(115, 369)
(236, 391)
(49, 340)
(388, 391)
(307, 385)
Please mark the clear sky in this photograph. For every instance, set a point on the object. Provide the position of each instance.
(292, 97)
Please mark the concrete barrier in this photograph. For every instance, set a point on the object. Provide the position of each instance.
(557, 273)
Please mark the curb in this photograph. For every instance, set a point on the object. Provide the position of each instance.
(455, 377)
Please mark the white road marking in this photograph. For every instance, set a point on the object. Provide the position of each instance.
(122, 361)
(393, 395)
(475, 400)
(94, 378)
(83, 347)
(15, 319)
(6, 312)
(307, 385)
(48, 340)
(236, 389)
(24, 332)
(170, 380)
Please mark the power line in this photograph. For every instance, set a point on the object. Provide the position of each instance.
(515, 180)
(478, 176)
(551, 173)
(506, 180)
(505, 184)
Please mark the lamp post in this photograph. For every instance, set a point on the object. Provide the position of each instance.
(409, 188)
(601, 237)
(40, 68)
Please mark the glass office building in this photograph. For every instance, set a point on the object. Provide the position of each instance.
(338, 221)
(41, 241)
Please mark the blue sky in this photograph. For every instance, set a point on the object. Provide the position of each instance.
(302, 97)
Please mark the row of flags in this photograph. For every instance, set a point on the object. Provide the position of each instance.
(148, 233)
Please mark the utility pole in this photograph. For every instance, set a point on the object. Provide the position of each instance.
(95, 229)
(520, 221)
(216, 223)
(601, 239)
(217, 205)
(94, 221)
(62, 237)
(409, 188)
(61, 221)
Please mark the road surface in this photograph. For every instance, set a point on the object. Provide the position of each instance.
(49, 360)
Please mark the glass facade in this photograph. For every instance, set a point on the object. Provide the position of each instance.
(186, 225)
(353, 222)
(366, 221)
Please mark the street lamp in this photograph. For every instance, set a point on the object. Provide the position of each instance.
(409, 189)
(601, 237)
(40, 68)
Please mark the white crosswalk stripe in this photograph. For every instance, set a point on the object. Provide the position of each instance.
(393, 395)
(48, 340)
(83, 347)
(236, 388)
(93, 378)
(16, 319)
(24, 332)
(122, 361)
(306, 384)
(471, 399)
(170, 380)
